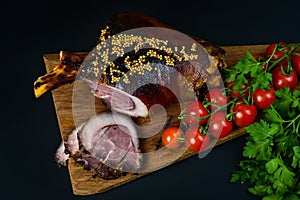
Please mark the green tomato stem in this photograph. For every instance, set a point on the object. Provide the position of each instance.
(293, 48)
(182, 139)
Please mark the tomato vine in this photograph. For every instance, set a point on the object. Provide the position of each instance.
(272, 152)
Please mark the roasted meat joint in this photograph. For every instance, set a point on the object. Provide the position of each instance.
(137, 63)
(106, 143)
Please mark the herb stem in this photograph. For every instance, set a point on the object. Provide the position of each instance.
(292, 122)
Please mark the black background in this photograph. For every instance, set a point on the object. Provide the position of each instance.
(30, 132)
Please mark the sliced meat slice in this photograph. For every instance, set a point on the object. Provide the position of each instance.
(119, 100)
(107, 143)
(112, 138)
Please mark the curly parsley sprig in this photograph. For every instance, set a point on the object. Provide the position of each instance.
(257, 70)
(272, 150)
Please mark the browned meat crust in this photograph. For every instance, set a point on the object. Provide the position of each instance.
(66, 72)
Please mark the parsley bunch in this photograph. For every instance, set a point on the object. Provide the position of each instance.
(249, 68)
(255, 71)
(272, 151)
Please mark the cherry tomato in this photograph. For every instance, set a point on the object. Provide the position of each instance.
(195, 110)
(219, 126)
(244, 114)
(263, 99)
(281, 80)
(170, 137)
(216, 96)
(261, 58)
(296, 64)
(258, 57)
(196, 141)
(279, 52)
(236, 93)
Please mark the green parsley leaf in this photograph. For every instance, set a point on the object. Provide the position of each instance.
(240, 80)
(287, 102)
(272, 150)
(272, 197)
(272, 165)
(296, 150)
(251, 170)
(291, 197)
(260, 140)
(260, 190)
(261, 80)
(285, 175)
(230, 74)
(246, 64)
(296, 93)
(296, 157)
(239, 176)
(271, 115)
(250, 57)
(282, 178)
(285, 143)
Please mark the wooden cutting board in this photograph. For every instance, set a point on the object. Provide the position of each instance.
(82, 181)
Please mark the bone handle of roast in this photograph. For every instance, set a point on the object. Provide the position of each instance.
(66, 72)
(70, 58)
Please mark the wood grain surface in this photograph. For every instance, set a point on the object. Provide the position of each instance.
(82, 181)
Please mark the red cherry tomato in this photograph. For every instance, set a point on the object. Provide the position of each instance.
(219, 126)
(195, 110)
(281, 80)
(258, 57)
(170, 137)
(236, 93)
(261, 58)
(263, 99)
(244, 114)
(281, 50)
(216, 96)
(296, 64)
(196, 141)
